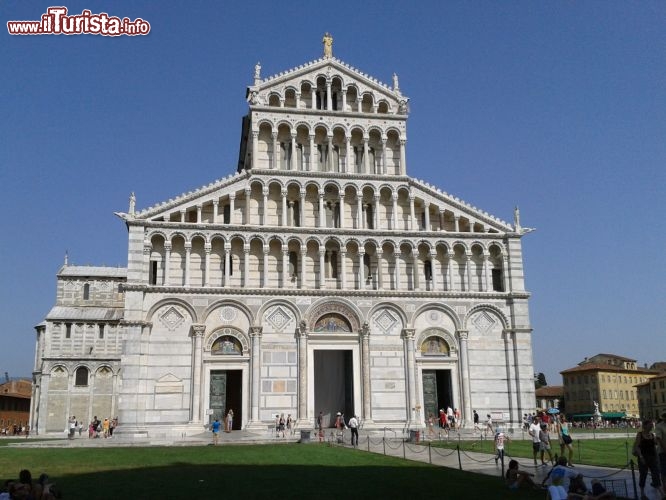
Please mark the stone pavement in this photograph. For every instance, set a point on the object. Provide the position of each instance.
(391, 444)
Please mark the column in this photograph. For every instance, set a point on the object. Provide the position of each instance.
(282, 100)
(366, 157)
(441, 220)
(403, 163)
(283, 193)
(232, 199)
(146, 264)
(397, 255)
(255, 360)
(264, 206)
(359, 102)
(321, 267)
(246, 266)
(265, 273)
(412, 217)
(348, 161)
(188, 251)
(255, 150)
(197, 337)
(248, 199)
(301, 218)
(276, 152)
(216, 204)
(408, 342)
(486, 263)
(468, 272)
(199, 209)
(426, 211)
(167, 263)
(394, 215)
(434, 269)
(292, 158)
(382, 167)
(302, 339)
(449, 273)
(363, 221)
(464, 371)
(313, 95)
(329, 97)
(227, 262)
(380, 270)
(343, 262)
(304, 253)
(313, 154)
(298, 100)
(415, 269)
(342, 211)
(365, 364)
(285, 266)
(182, 215)
(456, 225)
(361, 271)
(207, 249)
(321, 209)
(344, 99)
(375, 212)
(329, 153)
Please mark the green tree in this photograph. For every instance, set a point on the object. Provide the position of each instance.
(539, 380)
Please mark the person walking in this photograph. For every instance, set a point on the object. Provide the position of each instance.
(660, 434)
(534, 431)
(215, 427)
(353, 425)
(476, 420)
(645, 449)
(230, 420)
(566, 441)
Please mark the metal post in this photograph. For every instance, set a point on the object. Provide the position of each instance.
(502, 458)
(404, 452)
(459, 461)
(579, 445)
(384, 442)
(368, 442)
(429, 453)
(633, 477)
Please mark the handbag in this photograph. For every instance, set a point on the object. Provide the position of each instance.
(567, 439)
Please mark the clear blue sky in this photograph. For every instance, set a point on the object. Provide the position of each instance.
(558, 107)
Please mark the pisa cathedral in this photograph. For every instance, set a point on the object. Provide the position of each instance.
(318, 277)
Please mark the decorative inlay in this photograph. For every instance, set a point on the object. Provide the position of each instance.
(433, 317)
(483, 321)
(279, 318)
(341, 310)
(435, 346)
(103, 286)
(332, 323)
(228, 313)
(386, 321)
(172, 318)
(461, 309)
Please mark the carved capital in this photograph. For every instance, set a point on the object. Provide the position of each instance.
(408, 333)
(198, 330)
(365, 330)
(463, 334)
(255, 331)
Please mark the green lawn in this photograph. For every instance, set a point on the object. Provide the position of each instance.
(261, 471)
(612, 452)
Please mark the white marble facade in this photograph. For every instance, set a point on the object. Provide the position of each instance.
(319, 258)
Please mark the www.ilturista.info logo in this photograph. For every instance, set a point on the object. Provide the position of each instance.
(56, 22)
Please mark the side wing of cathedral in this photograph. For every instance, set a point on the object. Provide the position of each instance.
(319, 277)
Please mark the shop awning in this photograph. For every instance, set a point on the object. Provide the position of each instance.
(613, 414)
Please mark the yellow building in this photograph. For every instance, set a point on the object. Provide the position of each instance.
(652, 397)
(607, 379)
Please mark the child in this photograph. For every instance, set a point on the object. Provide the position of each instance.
(544, 444)
(516, 478)
(500, 438)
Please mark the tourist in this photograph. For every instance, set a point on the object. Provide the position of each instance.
(320, 426)
(431, 425)
(515, 478)
(215, 427)
(660, 434)
(489, 425)
(476, 420)
(500, 439)
(281, 424)
(71, 425)
(456, 416)
(442, 418)
(645, 449)
(558, 478)
(290, 425)
(353, 425)
(544, 438)
(534, 431)
(105, 428)
(565, 439)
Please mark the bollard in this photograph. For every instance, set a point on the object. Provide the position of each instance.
(502, 459)
(459, 461)
(579, 445)
(633, 477)
(626, 449)
(384, 442)
(404, 453)
(429, 453)
(368, 442)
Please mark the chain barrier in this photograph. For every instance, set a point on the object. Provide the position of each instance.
(388, 443)
(416, 448)
(476, 460)
(436, 450)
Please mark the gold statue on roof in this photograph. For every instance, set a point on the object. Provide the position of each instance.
(328, 45)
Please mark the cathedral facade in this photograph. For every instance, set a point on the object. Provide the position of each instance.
(319, 277)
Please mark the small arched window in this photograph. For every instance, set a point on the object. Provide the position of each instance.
(81, 377)
(427, 270)
(86, 291)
